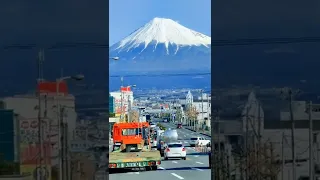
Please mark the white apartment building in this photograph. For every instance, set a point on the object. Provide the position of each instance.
(202, 106)
(279, 133)
(27, 108)
(127, 100)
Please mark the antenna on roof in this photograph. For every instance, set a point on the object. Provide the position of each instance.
(40, 65)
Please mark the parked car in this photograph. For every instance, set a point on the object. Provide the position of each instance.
(200, 141)
(152, 125)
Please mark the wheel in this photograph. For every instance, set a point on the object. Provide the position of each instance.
(165, 158)
(184, 158)
(154, 168)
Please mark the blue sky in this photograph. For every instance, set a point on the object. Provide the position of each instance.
(126, 16)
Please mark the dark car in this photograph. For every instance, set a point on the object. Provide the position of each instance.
(179, 126)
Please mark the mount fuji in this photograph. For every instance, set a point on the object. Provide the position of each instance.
(162, 45)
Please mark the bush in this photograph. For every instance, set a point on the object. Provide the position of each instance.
(161, 126)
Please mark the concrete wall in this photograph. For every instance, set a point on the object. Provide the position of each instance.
(300, 111)
(301, 141)
(16, 177)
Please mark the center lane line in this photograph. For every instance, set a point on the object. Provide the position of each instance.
(177, 176)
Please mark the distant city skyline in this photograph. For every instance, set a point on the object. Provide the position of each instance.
(127, 16)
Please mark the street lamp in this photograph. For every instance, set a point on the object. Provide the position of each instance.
(78, 77)
(114, 58)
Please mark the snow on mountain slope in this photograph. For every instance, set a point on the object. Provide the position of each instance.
(162, 31)
(162, 45)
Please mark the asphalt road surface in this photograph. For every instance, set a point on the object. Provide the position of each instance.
(195, 167)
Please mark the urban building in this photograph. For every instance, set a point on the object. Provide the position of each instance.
(202, 106)
(9, 139)
(52, 106)
(111, 104)
(300, 111)
(123, 100)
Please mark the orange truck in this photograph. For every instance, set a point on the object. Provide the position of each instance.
(132, 148)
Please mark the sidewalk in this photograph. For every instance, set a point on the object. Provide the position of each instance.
(203, 132)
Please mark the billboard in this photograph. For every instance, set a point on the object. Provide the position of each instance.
(121, 103)
(52, 87)
(30, 148)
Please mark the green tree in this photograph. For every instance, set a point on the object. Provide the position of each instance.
(179, 115)
(112, 114)
(8, 168)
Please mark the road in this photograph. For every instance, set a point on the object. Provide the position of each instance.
(195, 167)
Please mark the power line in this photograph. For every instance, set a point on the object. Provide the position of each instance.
(215, 43)
(161, 75)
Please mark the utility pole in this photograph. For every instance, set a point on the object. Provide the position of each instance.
(287, 92)
(212, 155)
(63, 155)
(48, 129)
(292, 136)
(219, 156)
(218, 125)
(208, 116)
(246, 143)
(40, 128)
(282, 156)
(129, 108)
(122, 114)
(60, 155)
(259, 138)
(202, 117)
(311, 175)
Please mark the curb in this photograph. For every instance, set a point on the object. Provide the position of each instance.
(199, 132)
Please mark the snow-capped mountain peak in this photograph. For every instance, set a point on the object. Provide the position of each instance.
(163, 31)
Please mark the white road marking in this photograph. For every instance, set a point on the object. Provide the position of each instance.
(197, 169)
(196, 156)
(162, 168)
(174, 162)
(136, 172)
(199, 162)
(185, 142)
(176, 175)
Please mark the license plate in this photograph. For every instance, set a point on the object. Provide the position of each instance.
(136, 164)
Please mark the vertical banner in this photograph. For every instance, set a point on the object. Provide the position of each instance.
(30, 149)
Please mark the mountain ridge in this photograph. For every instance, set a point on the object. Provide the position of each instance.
(161, 45)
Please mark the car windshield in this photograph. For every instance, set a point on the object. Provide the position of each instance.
(174, 145)
(194, 138)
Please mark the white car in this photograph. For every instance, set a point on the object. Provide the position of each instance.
(175, 150)
(199, 141)
(152, 125)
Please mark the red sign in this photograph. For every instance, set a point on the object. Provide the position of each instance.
(125, 89)
(51, 87)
